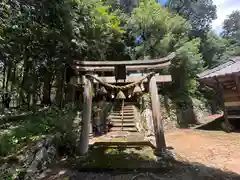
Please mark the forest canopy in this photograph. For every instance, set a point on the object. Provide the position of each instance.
(39, 39)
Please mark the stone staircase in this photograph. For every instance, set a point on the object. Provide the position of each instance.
(125, 124)
(122, 132)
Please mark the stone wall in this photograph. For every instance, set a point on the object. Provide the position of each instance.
(38, 157)
(168, 113)
(193, 113)
(33, 162)
(172, 115)
(144, 103)
(101, 112)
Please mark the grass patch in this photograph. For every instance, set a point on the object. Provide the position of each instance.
(115, 158)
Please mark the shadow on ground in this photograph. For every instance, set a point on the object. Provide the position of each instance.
(104, 163)
(214, 125)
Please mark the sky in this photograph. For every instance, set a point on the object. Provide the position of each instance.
(224, 8)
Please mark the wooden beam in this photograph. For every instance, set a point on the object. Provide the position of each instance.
(233, 116)
(128, 62)
(228, 80)
(223, 77)
(230, 93)
(157, 122)
(131, 79)
(220, 79)
(128, 67)
(237, 83)
(232, 104)
(86, 116)
(231, 99)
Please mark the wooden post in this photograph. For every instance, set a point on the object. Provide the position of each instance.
(237, 83)
(86, 116)
(157, 122)
(220, 91)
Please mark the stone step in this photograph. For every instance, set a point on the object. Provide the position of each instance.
(125, 111)
(120, 117)
(123, 124)
(124, 121)
(125, 107)
(130, 129)
(119, 114)
(120, 143)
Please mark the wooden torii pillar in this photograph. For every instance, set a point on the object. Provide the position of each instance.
(156, 114)
(86, 116)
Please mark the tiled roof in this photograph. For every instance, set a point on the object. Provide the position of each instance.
(231, 66)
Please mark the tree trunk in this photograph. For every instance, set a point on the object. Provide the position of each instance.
(30, 100)
(73, 99)
(35, 93)
(9, 69)
(12, 86)
(47, 88)
(4, 74)
(157, 122)
(24, 80)
(60, 78)
(86, 117)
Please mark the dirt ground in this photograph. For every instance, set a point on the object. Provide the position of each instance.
(201, 155)
(211, 148)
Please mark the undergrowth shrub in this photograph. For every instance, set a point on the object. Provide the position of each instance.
(55, 122)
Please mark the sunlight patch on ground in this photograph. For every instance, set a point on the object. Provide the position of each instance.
(10, 129)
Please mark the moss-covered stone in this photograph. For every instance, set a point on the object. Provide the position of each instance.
(114, 158)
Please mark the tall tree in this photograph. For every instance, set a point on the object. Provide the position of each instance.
(215, 49)
(38, 39)
(160, 32)
(200, 13)
(231, 27)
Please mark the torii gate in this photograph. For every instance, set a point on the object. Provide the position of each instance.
(87, 76)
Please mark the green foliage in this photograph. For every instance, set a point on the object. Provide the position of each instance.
(214, 49)
(164, 32)
(101, 29)
(231, 31)
(52, 122)
(200, 13)
(161, 30)
(231, 27)
(38, 39)
(186, 65)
